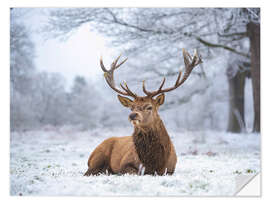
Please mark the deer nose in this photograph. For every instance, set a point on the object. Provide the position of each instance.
(132, 116)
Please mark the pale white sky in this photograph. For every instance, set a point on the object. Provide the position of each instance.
(78, 55)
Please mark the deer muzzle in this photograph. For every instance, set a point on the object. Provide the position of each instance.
(134, 118)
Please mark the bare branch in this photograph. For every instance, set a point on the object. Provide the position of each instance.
(209, 44)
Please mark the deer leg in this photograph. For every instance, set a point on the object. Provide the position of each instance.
(97, 164)
(129, 169)
(129, 164)
(170, 172)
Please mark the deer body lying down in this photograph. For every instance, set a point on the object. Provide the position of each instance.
(149, 150)
(149, 146)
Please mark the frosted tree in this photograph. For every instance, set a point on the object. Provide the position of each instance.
(84, 104)
(21, 54)
(253, 31)
(49, 99)
(21, 70)
(236, 31)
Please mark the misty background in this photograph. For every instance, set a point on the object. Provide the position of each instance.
(56, 80)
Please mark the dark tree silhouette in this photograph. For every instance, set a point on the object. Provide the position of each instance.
(253, 30)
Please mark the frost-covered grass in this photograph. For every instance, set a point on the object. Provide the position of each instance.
(53, 163)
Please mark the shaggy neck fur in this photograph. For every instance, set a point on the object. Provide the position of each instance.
(153, 147)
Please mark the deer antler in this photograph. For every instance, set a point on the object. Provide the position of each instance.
(108, 74)
(190, 63)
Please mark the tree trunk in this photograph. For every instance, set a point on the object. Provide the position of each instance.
(236, 96)
(253, 30)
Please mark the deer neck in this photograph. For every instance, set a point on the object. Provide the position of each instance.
(153, 146)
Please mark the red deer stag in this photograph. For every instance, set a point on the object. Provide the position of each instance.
(149, 150)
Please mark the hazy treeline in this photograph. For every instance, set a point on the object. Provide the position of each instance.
(42, 98)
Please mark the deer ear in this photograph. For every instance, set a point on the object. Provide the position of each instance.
(160, 99)
(125, 101)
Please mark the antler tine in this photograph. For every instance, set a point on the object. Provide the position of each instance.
(114, 88)
(144, 89)
(190, 58)
(190, 63)
(102, 65)
(163, 82)
(109, 77)
(156, 92)
(178, 78)
(128, 90)
(187, 58)
(114, 63)
(196, 60)
(199, 59)
(121, 63)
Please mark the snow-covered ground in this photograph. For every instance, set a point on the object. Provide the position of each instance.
(53, 162)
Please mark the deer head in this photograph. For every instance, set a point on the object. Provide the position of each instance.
(145, 109)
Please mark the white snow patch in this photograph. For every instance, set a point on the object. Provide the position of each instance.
(53, 163)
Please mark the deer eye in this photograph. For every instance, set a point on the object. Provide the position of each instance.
(149, 108)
